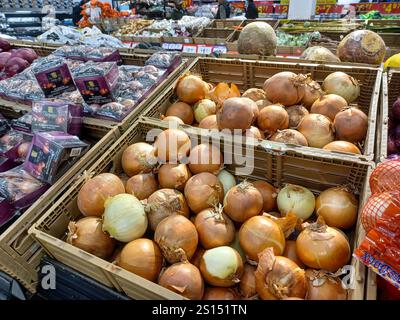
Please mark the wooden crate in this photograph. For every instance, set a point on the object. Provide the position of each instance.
(211, 36)
(252, 74)
(312, 171)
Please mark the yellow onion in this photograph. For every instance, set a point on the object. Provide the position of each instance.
(124, 218)
(142, 257)
(197, 256)
(273, 118)
(223, 91)
(87, 234)
(177, 238)
(202, 191)
(258, 233)
(164, 203)
(205, 158)
(254, 94)
(191, 89)
(221, 266)
(317, 129)
(343, 85)
(95, 192)
(181, 110)
(342, 146)
(338, 207)
(235, 113)
(261, 104)
(291, 253)
(321, 286)
(329, 105)
(278, 277)
(227, 179)
(172, 145)
(351, 125)
(290, 136)
(217, 293)
(203, 109)
(235, 244)
(322, 247)
(141, 185)
(312, 91)
(254, 133)
(296, 199)
(285, 88)
(172, 120)
(268, 193)
(138, 158)
(242, 202)
(173, 176)
(209, 122)
(183, 278)
(214, 228)
(296, 114)
(248, 282)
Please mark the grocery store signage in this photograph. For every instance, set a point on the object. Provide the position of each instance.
(384, 8)
(268, 7)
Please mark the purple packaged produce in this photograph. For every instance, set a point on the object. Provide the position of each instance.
(4, 127)
(97, 82)
(53, 76)
(52, 153)
(15, 145)
(6, 164)
(20, 188)
(57, 115)
(23, 123)
(7, 211)
(89, 53)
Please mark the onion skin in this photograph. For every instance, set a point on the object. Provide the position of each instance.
(279, 277)
(254, 133)
(177, 238)
(203, 109)
(285, 88)
(181, 110)
(87, 234)
(268, 193)
(297, 200)
(172, 120)
(322, 247)
(191, 89)
(338, 207)
(290, 253)
(248, 282)
(209, 122)
(164, 203)
(273, 118)
(296, 114)
(351, 125)
(261, 104)
(254, 94)
(95, 191)
(242, 202)
(329, 105)
(205, 158)
(142, 257)
(203, 191)
(259, 233)
(172, 145)
(214, 228)
(312, 91)
(197, 256)
(173, 176)
(232, 270)
(235, 113)
(343, 85)
(227, 180)
(138, 158)
(317, 129)
(142, 185)
(324, 287)
(217, 293)
(342, 146)
(290, 136)
(184, 279)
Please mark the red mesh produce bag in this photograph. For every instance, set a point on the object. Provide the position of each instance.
(385, 177)
(380, 206)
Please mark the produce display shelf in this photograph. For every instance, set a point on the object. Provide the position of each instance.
(211, 36)
(248, 74)
(312, 171)
(19, 253)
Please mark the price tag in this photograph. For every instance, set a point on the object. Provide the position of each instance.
(219, 49)
(204, 49)
(189, 49)
(166, 46)
(177, 46)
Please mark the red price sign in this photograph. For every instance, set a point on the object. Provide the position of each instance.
(384, 8)
(390, 8)
(281, 9)
(328, 8)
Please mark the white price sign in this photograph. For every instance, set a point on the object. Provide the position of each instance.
(166, 46)
(189, 49)
(219, 49)
(177, 46)
(204, 50)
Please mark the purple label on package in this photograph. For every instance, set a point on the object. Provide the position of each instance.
(55, 81)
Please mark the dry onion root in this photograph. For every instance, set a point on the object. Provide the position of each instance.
(278, 277)
(322, 286)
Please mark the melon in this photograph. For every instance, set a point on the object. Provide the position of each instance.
(257, 38)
